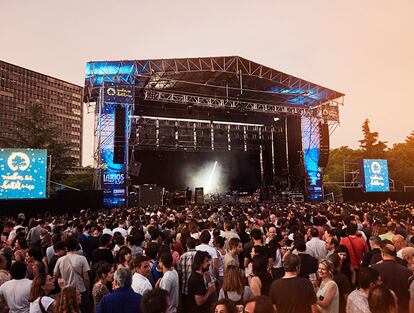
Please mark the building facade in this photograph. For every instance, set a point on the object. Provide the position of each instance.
(62, 101)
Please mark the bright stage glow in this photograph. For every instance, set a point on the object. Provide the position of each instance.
(209, 177)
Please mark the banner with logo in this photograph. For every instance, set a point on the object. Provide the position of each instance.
(23, 173)
(113, 176)
(374, 175)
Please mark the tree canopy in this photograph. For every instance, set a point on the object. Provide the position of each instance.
(33, 132)
(400, 157)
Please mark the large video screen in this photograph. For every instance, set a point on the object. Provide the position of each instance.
(374, 175)
(23, 173)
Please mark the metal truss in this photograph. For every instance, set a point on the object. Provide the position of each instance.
(219, 103)
(235, 65)
(167, 73)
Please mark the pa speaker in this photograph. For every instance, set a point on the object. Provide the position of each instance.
(199, 196)
(119, 135)
(323, 144)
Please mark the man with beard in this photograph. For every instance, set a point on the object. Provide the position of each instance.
(200, 287)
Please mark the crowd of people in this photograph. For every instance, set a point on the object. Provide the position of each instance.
(253, 258)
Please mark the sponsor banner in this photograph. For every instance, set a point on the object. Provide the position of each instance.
(23, 173)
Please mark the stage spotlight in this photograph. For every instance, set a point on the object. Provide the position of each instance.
(275, 119)
(208, 177)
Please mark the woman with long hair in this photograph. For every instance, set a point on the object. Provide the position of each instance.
(42, 285)
(232, 288)
(184, 234)
(345, 260)
(382, 300)
(260, 278)
(20, 248)
(104, 274)
(194, 229)
(68, 301)
(35, 264)
(124, 257)
(327, 293)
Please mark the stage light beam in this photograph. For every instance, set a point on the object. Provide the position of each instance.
(210, 178)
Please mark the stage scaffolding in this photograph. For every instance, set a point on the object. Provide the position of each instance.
(228, 85)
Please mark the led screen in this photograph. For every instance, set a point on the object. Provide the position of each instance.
(375, 175)
(22, 173)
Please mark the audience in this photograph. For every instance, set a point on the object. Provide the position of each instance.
(253, 257)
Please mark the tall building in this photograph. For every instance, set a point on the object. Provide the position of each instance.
(62, 101)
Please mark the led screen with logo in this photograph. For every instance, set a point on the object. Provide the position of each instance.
(23, 173)
(374, 175)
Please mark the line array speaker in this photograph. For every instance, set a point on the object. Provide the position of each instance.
(323, 144)
(119, 135)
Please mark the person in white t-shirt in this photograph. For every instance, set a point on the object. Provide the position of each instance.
(140, 282)
(16, 291)
(170, 280)
(42, 285)
(205, 239)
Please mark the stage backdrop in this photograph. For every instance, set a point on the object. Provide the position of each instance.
(23, 173)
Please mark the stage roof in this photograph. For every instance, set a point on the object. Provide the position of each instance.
(225, 77)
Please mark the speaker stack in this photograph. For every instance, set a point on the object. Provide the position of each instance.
(324, 144)
(119, 135)
(199, 196)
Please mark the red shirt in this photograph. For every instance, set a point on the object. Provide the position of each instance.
(357, 248)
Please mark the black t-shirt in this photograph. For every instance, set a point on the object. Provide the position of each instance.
(52, 263)
(197, 286)
(308, 265)
(102, 255)
(292, 295)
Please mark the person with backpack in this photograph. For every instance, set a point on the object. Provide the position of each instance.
(233, 289)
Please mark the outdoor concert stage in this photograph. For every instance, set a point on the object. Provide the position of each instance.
(160, 120)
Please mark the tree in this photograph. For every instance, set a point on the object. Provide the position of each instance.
(371, 147)
(32, 132)
(82, 181)
(401, 162)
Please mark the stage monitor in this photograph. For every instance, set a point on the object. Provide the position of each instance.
(23, 173)
(374, 175)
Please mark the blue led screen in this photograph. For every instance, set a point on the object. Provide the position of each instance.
(23, 173)
(374, 175)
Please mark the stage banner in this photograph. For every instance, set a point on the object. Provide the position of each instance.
(23, 173)
(374, 175)
(113, 176)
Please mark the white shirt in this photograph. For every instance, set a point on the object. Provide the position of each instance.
(357, 302)
(16, 294)
(123, 232)
(213, 254)
(140, 284)
(316, 248)
(107, 231)
(46, 302)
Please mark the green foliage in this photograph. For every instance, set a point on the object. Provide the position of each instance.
(371, 147)
(400, 159)
(33, 132)
(82, 181)
(334, 172)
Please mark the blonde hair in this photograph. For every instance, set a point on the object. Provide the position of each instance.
(329, 266)
(232, 279)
